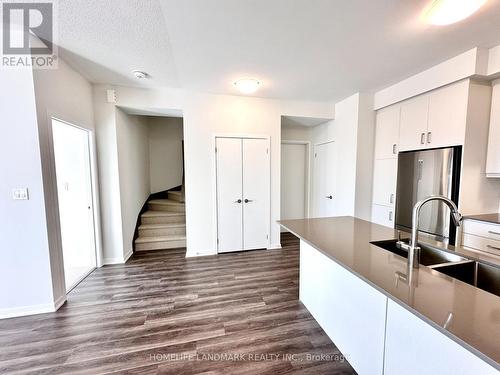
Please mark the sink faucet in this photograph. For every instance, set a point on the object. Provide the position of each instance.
(413, 248)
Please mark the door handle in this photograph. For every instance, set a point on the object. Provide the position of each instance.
(394, 149)
(248, 200)
(422, 139)
(429, 137)
(238, 201)
(329, 197)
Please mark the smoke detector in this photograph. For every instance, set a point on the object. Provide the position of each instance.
(140, 74)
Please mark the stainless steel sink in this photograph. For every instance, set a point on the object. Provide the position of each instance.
(429, 256)
(481, 275)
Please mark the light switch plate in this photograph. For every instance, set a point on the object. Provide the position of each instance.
(20, 194)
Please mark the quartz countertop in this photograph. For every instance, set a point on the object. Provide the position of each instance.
(489, 218)
(431, 295)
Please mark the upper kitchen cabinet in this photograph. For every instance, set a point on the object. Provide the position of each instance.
(413, 126)
(437, 119)
(447, 115)
(387, 133)
(493, 160)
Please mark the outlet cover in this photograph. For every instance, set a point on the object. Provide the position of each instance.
(20, 194)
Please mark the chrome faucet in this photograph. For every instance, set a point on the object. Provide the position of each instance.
(413, 248)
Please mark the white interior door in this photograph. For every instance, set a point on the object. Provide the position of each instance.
(293, 181)
(229, 194)
(74, 189)
(324, 180)
(256, 194)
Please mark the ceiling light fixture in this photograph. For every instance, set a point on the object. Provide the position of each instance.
(247, 85)
(446, 12)
(139, 74)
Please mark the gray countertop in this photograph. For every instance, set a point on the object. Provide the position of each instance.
(432, 295)
(489, 218)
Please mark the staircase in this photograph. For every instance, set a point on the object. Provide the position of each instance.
(163, 225)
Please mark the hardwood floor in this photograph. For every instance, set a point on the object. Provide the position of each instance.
(161, 313)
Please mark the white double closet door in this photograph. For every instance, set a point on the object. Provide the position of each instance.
(243, 194)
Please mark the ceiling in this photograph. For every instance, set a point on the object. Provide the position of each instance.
(299, 49)
(302, 121)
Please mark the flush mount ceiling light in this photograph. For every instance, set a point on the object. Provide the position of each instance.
(140, 74)
(446, 12)
(247, 85)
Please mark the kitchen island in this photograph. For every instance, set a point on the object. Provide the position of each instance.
(383, 321)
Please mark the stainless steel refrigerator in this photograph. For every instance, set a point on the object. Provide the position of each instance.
(423, 173)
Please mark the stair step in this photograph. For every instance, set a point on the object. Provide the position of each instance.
(176, 195)
(159, 230)
(162, 217)
(160, 242)
(166, 205)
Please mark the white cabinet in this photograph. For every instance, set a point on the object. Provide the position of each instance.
(437, 119)
(243, 194)
(384, 181)
(493, 159)
(447, 115)
(481, 236)
(383, 215)
(413, 347)
(413, 127)
(351, 312)
(387, 132)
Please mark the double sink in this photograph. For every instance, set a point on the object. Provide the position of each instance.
(479, 274)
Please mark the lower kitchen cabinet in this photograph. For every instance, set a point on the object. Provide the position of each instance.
(383, 215)
(351, 312)
(413, 347)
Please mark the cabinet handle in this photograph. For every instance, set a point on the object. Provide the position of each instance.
(238, 201)
(390, 215)
(493, 247)
(491, 232)
(394, 149)
(329, 197)
(391, 199)
(422, 139)
(429, 137)
(248, 200)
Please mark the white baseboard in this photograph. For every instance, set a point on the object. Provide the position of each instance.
(274, 246)
(128, 255)
(26, 310)
(59, 302)
(118, 260)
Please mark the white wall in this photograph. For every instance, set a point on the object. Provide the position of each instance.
(204, 116)
(364, 159)
(109, 180)
(353, 133)
(133, 169)
(62, 93)
(165, 152)
(25, 278)
(296, 133)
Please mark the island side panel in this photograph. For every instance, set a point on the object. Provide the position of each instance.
(413, 347)
(351, 312)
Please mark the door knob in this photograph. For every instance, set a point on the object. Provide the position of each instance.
(329, 197)
(248, 200)
(238, 201)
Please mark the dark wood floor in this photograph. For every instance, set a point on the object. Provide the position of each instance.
(162, 313)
